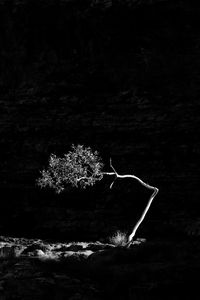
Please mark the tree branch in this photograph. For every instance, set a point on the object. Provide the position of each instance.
(148, 186)
(113, 167)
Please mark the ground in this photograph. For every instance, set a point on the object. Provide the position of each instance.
(34, 269)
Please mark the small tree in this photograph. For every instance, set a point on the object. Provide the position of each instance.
(81, 167)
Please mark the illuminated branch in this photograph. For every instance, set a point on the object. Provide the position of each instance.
(155, 191)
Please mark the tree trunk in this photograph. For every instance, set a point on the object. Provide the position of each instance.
(155, 191)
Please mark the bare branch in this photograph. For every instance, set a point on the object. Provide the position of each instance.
(113, 167)
(112, 183)
(156, 190)
(83, 178)
(148, 186)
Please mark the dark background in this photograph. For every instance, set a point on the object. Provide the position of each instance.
(122, 78)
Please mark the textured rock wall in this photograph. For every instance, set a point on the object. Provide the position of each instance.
(124, 81)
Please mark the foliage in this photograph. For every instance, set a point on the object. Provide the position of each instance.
(79, 167)
(119, 239)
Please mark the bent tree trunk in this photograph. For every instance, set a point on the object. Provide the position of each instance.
(154, 189)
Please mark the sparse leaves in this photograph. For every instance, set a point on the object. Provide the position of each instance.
(80, 167)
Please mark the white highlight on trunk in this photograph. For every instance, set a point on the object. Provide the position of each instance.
(155, 191)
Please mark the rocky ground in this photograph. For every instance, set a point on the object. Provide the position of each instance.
(36, 269)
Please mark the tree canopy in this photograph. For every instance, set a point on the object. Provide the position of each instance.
(80, 167)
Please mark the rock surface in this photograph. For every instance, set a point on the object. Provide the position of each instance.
(147, 270)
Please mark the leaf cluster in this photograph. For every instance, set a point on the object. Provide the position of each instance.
(80, 167)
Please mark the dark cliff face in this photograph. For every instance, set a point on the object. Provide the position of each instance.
(123, 80)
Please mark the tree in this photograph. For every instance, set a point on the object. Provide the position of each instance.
(81, 167)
